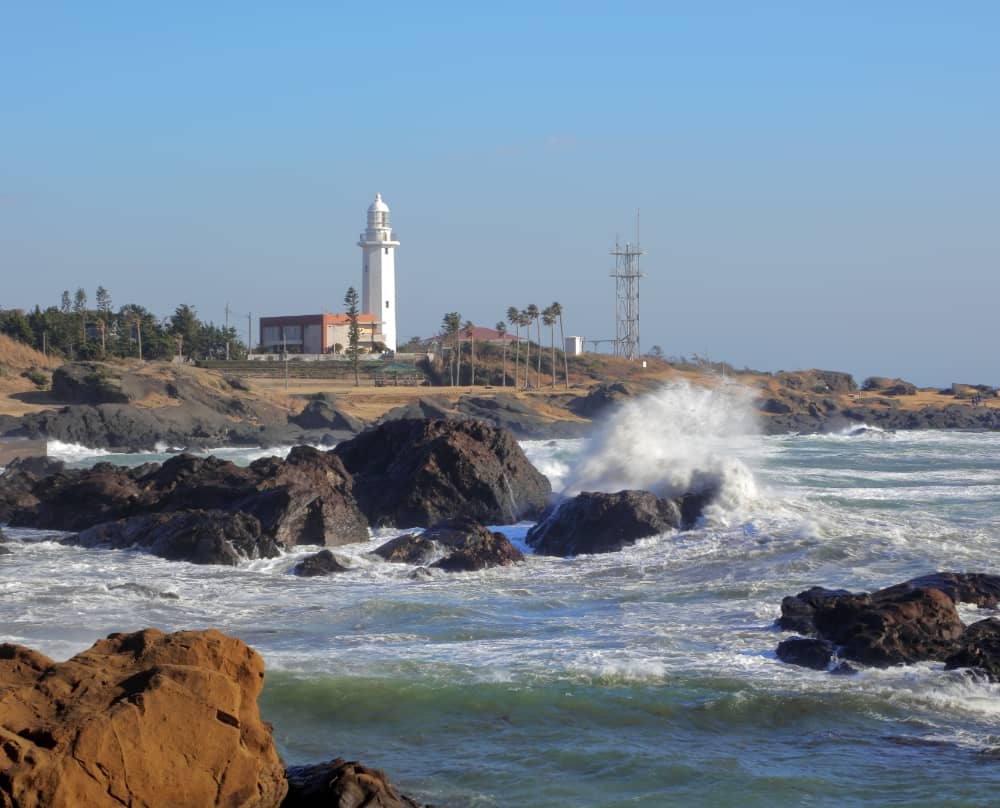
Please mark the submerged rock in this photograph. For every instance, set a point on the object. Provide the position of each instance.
(596, 522)
(459, 545)
(342, 784)
(322, 563)
(138, 719)
(415, 473)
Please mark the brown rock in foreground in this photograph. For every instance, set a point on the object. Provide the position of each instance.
(144, 719)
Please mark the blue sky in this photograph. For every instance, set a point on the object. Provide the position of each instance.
(819, 186)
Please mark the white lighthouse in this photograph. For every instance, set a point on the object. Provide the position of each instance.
(378, 260)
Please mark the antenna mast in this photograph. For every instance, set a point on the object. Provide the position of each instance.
(626, 275)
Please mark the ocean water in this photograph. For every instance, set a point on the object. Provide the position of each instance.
(645, 677)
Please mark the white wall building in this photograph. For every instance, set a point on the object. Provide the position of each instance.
(378, 258)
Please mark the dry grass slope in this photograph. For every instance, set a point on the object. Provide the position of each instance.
(16, 356)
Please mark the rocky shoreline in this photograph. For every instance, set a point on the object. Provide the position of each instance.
(179, 407)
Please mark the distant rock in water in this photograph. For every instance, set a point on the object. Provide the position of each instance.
(138, 719)
(458, 545)
(322, 563)
(909, 622)
(595, 522)
(415, 473)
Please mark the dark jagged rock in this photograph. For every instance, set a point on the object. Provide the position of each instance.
(201, 537)
(774, 406)
(87, 383)
(322, 563)
(471, 546)
(75, 499)
(18, 481)
(979, 649)
(797, 610)
(305, 499)
(976, 588)
(322, 413)
(342, 784)
(424, 408)
(595, 522)
(459, 545)
(892, 626)
(412, 548)
(415, 473)
(601, 399)
(807, 653)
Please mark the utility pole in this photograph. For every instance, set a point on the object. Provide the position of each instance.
(284, 351)
(138, 335)
(249, 333)
(227, 332)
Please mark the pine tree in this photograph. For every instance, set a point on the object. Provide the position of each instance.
(353, 332)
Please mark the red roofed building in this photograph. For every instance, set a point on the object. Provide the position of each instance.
(314, 333)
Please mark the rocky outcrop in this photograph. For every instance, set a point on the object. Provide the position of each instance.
(323, 413)
(596, 522)
(342, 784)
(201, 537)
(87, 383)
(138, 719)
(73, 499)
(411, 548)
(18, 481)
(909, 622)
(322, 563)
(305, 499)
(415, 473)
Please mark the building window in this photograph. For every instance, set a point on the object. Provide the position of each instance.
(386, 250)
(387, 304)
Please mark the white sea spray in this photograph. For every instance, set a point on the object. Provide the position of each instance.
(680, 439)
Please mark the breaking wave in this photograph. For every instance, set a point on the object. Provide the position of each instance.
(677, 440)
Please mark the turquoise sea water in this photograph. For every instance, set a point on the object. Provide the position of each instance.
(645, 677)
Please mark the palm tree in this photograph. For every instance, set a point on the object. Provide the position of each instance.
(502, 331)
(514, 318)
(450, 326)
(470, 332)
(550, 320)
(556, 310)
(526, 324)
(535, 314)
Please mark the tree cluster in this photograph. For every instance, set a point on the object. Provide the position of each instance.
(74, 330)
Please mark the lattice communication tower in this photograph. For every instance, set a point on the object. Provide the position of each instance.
(626, 275)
